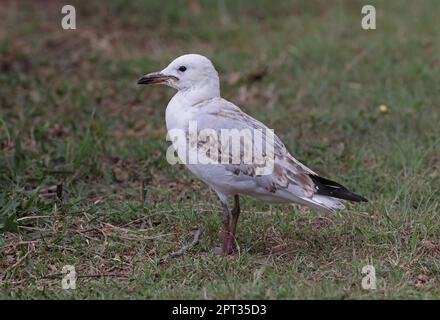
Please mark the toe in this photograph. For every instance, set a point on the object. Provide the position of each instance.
(217, 250)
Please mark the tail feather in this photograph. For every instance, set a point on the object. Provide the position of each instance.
(328, 202)
(322, 203)
(329, 188)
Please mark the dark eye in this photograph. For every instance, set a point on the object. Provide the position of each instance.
(182, 69)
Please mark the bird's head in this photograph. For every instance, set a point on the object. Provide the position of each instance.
(186, 73)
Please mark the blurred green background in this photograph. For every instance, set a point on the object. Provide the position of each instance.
(83, 174)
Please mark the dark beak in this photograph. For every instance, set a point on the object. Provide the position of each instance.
(155, 77)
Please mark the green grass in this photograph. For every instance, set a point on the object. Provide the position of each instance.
(71, 114)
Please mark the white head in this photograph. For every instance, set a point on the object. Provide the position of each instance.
(188, 74)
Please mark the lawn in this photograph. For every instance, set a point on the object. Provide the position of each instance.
(84, 180)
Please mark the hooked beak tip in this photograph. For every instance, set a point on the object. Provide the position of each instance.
(145, 79)
(155, 78)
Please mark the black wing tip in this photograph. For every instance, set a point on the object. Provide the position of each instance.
(333, 189)
(359, 198)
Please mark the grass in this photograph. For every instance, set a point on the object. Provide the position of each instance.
(72, 118)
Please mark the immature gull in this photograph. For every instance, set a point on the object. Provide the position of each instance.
(198, 102)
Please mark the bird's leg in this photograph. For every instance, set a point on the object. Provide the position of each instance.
(226, 249)
(235, 214)
(226, 232)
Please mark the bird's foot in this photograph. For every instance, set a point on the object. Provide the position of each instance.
(230, 249)
(217, 250)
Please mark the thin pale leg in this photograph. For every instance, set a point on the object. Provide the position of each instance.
(226, 232)
(235, 213)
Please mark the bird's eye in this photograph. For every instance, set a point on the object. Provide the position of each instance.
(182, 69)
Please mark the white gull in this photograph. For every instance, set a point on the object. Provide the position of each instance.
(198, 100)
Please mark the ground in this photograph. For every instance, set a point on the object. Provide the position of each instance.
(83, 175)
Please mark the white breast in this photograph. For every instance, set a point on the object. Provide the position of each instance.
(178, 113)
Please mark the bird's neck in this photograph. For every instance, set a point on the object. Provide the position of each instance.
(195, 95)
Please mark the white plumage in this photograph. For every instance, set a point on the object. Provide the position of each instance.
(198, 100)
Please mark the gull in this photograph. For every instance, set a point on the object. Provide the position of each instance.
(198, 100)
